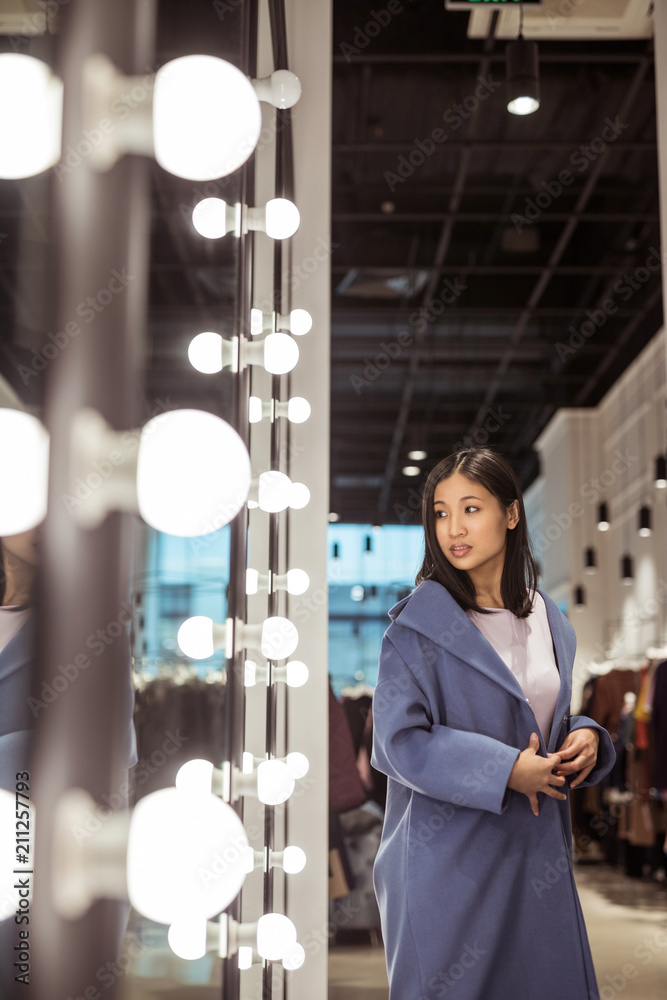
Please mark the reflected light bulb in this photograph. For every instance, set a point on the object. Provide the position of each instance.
(298, 764)
(276, 935)
(195, 637)
(31, 113)
(294, 957)
(296, 673)
(274, 782)
(205, 352)
(279, 638)
(294, 860)
(195, 776)
(282, 218)
(254, 409)
(281, 353)
(301, 322)
(206, 117)
(298, 409)
(209, 217)
(256, 322)
(251, 581)
(193, 473)
(165, 861)
(298, 582)
(24, 461)
(187, 938)
(523, 105)
(299, 496)
(275, 490)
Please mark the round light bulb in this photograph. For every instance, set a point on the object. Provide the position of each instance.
(282, 218)
(275, 490)
(24, 460)
(209, 217)
(279, 638)
(298, 582)
(195, 637)
(187, 938)
(206, 117)
(298, 764)
(294, 957)
(411, 470)
(281, 353)
(299, 496)
(256, 322)
(193, 473)
(249, 673)
(275, 784)
(251, 581)
(417, 455)
(285, 88)
(300, 322)
(170, 873)
(254, 409)
(294, 860)
(195, 777)
(31, 114)
(276, 936)
(296, 673)
(205, 353)
(298, 409)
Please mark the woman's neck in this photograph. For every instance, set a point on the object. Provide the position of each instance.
(19, 578)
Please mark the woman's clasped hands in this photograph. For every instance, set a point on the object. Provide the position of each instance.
(533, 773)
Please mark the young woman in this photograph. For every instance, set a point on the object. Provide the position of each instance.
(472, 726)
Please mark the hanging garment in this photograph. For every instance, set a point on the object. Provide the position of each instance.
(659, 729)
(468, 879)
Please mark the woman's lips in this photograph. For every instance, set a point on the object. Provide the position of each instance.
(460, 550)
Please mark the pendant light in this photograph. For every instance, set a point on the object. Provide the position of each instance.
(660, 476)
(590, 560)
(579, 598)
(644, 526)
(627, 570)
(523, 84)
(603, 517)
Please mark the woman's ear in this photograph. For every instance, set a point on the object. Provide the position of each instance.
(513, 514)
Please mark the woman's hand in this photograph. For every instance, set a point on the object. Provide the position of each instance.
(532, 774)
(577, 752)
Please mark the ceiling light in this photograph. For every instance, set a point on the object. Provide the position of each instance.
(590, 560)
(627, 572)
(523, 87)
(411, 470)
(660, 472)
(644, 526)
(579, 599)
(417, 456)
(603, 517)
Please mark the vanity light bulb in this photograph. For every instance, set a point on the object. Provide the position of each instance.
(299, 496)
(281, 353)
(193, 473)
(254, 409)
(294, 860)
(165, 862)
(205, 353)
(31, 114)
(195, 637)
(296, 673)
(275, 784)
(275, 490)
(209, 217)
(279, 638)
(294, 957)
(298, 409)
(195, 777)
(24, 460)
(282, 218)
(276, 935)
(300, 322)
(298, 764)
(187, 938)
(206, 117)
(298, 582)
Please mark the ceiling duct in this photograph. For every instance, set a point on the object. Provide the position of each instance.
(558, 19)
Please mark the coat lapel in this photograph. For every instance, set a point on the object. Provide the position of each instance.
(433, 612)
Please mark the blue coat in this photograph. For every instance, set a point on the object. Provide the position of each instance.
(477, 896)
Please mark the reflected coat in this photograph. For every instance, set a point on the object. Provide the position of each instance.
(476, 894)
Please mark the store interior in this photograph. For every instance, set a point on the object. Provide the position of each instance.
(263, 263)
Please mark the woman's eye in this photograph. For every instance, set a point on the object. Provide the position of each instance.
(440, 513)
(471, 508)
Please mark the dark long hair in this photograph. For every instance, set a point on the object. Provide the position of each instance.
(487, 467)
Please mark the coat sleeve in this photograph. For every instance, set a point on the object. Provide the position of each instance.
(606, 752)
(452, 765)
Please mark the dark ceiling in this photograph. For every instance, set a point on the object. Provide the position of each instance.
(465, 273)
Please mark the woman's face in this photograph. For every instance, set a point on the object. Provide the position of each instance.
(470, 523)
(24, 546)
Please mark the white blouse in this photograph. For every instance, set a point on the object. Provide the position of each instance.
(526, 646)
